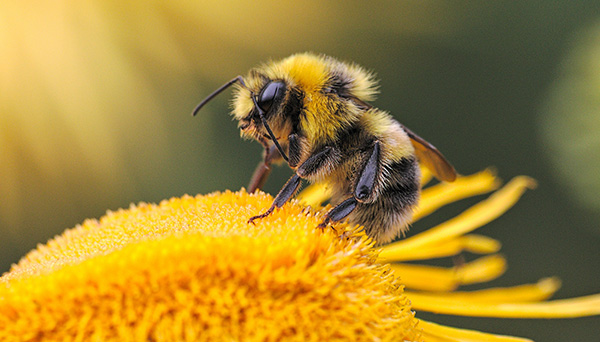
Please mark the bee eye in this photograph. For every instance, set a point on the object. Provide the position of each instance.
(272, 91)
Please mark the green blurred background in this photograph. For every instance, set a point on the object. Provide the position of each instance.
(95, 101)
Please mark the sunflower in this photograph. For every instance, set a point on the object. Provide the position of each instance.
(193, 269)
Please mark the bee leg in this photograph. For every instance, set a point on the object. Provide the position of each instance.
(294, 150)
(364, 189)
(339, 212)
(263, 169)
(288, 190)
(259, 177)
(366, 181)
(313, 164)
(317, 162)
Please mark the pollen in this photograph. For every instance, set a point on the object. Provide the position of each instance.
(193, 269)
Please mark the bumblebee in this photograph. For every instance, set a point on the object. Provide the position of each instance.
(313, 112)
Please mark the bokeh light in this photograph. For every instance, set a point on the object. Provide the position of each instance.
(570, 120)
(95, 102)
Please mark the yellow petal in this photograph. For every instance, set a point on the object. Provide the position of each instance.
(427, 278)
(480, 244)
(426, 175)
(539, 291)
(438, 333)
(471, 219)
(470, 243)
(434, 197)
(481, 270)
(563, 308)
(314, 195)
(432, 278)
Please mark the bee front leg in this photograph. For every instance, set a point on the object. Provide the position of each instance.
(313, 164)
(288, 190)
(272, 155)
(294, 149)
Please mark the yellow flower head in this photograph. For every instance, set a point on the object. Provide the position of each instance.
(192, 269)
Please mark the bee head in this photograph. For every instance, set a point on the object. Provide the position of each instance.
(258, 110)
(254, 124)
(312, 94)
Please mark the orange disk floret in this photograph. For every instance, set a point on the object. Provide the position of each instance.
(193, 269)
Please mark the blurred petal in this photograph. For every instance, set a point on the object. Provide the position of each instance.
(434, 197)
(468, 243)
(471, 219)
(438, 333)
(432, 278)
(314, 195)
(539, 291)
(562, 308)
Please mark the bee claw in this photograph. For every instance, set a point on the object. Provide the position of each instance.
(253, 218)
(343, 236)
(323, 225)
(263, 215)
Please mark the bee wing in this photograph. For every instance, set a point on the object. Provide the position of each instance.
(432, 158)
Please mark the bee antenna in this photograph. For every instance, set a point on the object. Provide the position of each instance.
(260, 111)
(264, 121)
(217, 92)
